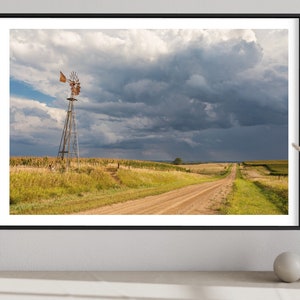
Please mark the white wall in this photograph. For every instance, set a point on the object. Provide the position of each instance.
(146, 250)
(153, 6)
(143, 250)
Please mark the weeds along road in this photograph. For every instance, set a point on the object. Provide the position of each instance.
(205, 199)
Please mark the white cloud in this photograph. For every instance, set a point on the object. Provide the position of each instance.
(197, 80)
(274, 44)
(35, 121)
(66, 39)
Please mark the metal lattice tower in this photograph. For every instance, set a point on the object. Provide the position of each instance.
(68, 147)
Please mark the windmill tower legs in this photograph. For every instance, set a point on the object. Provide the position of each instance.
(68, 147)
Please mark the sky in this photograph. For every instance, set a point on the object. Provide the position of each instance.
(197, 94)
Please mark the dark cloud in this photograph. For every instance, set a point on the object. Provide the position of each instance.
(207, 98)
(177, 88)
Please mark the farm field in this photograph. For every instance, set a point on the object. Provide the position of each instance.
(207, 168)
(41, 185)
(112, 186)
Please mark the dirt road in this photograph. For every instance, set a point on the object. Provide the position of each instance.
(203, 198)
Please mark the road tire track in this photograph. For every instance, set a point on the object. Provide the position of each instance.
(205, 198)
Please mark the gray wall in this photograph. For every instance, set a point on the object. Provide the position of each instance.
(146, 250)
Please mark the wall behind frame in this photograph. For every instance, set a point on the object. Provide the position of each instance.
(145, 250)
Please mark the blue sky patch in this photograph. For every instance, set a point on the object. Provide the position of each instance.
(24, 90)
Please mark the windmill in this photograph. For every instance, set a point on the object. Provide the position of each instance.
(68, 147)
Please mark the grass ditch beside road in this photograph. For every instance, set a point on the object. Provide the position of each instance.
(257, 191)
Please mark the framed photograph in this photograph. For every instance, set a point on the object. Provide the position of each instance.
(140, 121)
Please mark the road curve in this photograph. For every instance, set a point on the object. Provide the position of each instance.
(199, 199)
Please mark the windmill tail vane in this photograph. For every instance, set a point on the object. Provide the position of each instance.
(62, 77)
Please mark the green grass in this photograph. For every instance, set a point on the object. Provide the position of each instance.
(277, 196)
(254, 198)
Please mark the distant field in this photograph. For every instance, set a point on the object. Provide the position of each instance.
(275, 167)
(41, 185)
(208, 168)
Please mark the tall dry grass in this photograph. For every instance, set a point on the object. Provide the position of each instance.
(37, 189)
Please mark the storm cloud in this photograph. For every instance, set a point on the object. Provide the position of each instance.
(153, 94)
